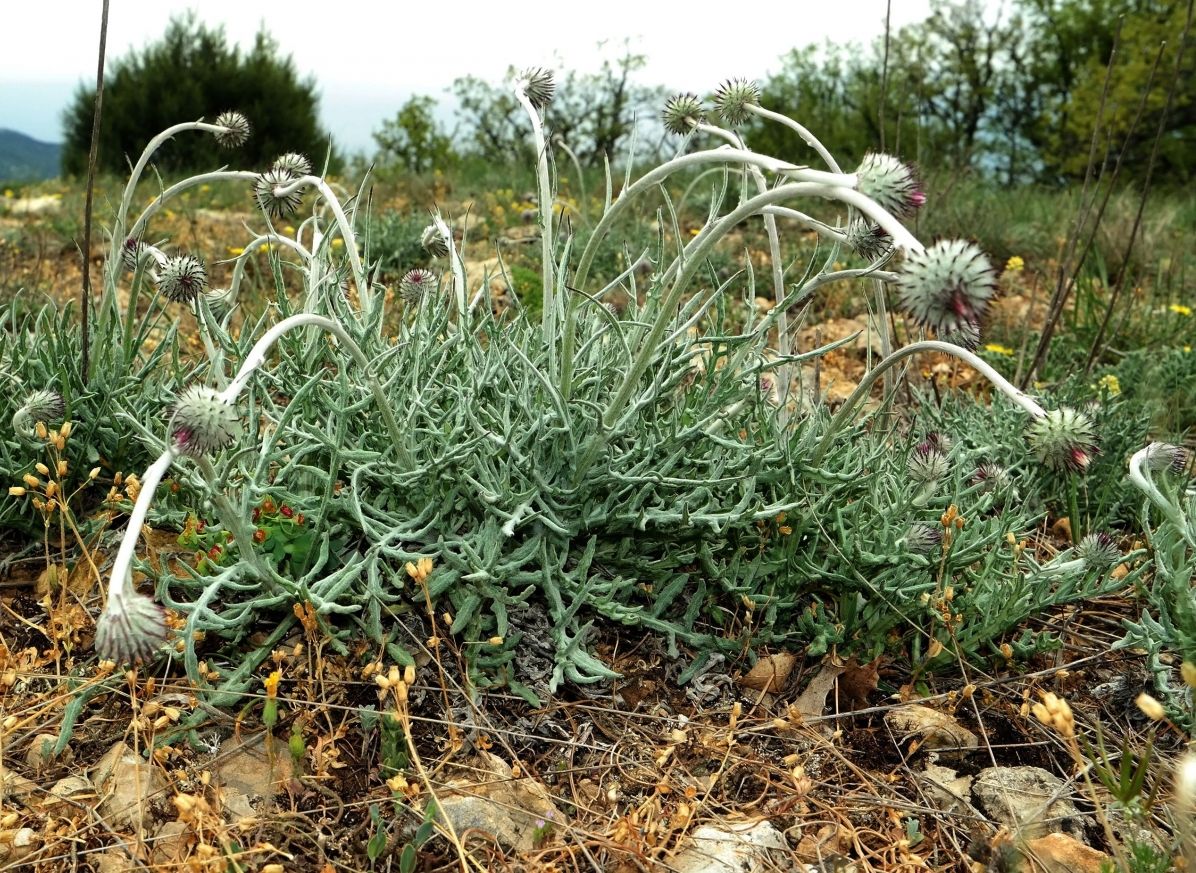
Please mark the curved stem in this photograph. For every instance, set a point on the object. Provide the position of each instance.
(725, 154)
(1140, 476)
(1025, 401)
(545, 215)
(807, 137)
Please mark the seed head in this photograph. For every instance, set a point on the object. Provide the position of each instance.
(43, 406)
(946, 287)
(1098, 551)
(732, 99)
(891, 183)
(1063, 440)
(538, 86)
(182, 278)
(131, 628)
(936, 439)
(1150, 707)
(923, 538)
(966, 336)
(927, 465)
(202, 422)
(682, 112)
(275, 205)
(1164, 457)
(868, 240)
(416, 285)
(236, 129)
(293, 163)
(434, 242)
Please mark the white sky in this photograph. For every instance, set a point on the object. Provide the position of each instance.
(368, 56)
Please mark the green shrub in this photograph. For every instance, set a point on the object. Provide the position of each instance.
(193, 72)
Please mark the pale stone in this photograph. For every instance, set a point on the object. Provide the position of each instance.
(126, 783)
(244, 767)
(747, 847)
(1059, 853)
(1029, 801)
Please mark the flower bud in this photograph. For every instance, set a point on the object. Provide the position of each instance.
(416, 285)
(927, 465)
(1063, 440)
(236, 129)
(889, 182)
(868, 240)
(946, 287)
(293, 164)
(203, 422)
(966, 336)
(682, 112)
(923, 538)
(40, 407)
(182, 277)
(538, 85)
(134, 254)
(732, 99)
(1098, 551)
(1164, 457)
(133, 627)
(277, 206)
(991, 477)
(434, 242)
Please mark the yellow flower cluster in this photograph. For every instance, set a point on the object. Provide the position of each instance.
(1180, 309)
(998, 349)
(1110, 383)
(1015, 264)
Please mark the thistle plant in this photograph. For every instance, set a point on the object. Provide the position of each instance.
(581, 468)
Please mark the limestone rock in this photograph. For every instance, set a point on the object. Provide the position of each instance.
(747, 847)
(1029, 801)
(946, 789)
(936, 730)
(75, 788)
(496, 802)
(1059, 853)
(39, 756)
(243, 766)
(169, 844)
(126, 783)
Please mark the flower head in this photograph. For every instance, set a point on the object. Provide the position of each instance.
(1098, 551)
(868, 240)
(682, 112)
(1063, 440)
(236, 129)
(277, 206)
(434, 242)
(45, 406)
(923, 538)
(182, 277)
(732, 99)
(966, 336)
(416, 285)
(131, 627)
(891, 183)
(1015, 264)
(927, 464)
(134, 253)
(991, 477)
(946, 287)
(292, 163)
(203, 422)
(538, 85)
(1164, 457)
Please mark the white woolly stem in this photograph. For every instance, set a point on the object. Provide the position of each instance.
(545, 213)
(1140, 476)
(807, 137)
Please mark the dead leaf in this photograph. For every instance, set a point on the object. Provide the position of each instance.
(813, 700)
(937, 730)
(858, 681)
(770, 672)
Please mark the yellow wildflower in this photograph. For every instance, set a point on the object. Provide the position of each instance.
(236, 250)
(1180, 309)
(204, 189)
(998, 349)
(337, 243)
(1015, 264)
(1109, 382)
(288, 230)
(8, 193)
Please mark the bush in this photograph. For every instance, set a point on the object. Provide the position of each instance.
(190, 73)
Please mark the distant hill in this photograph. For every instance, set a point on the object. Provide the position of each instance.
(25, 159)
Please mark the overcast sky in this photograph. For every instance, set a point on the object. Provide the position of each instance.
(368, 57)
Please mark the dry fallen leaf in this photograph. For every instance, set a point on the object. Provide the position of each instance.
(770, 672)
(936, 730)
